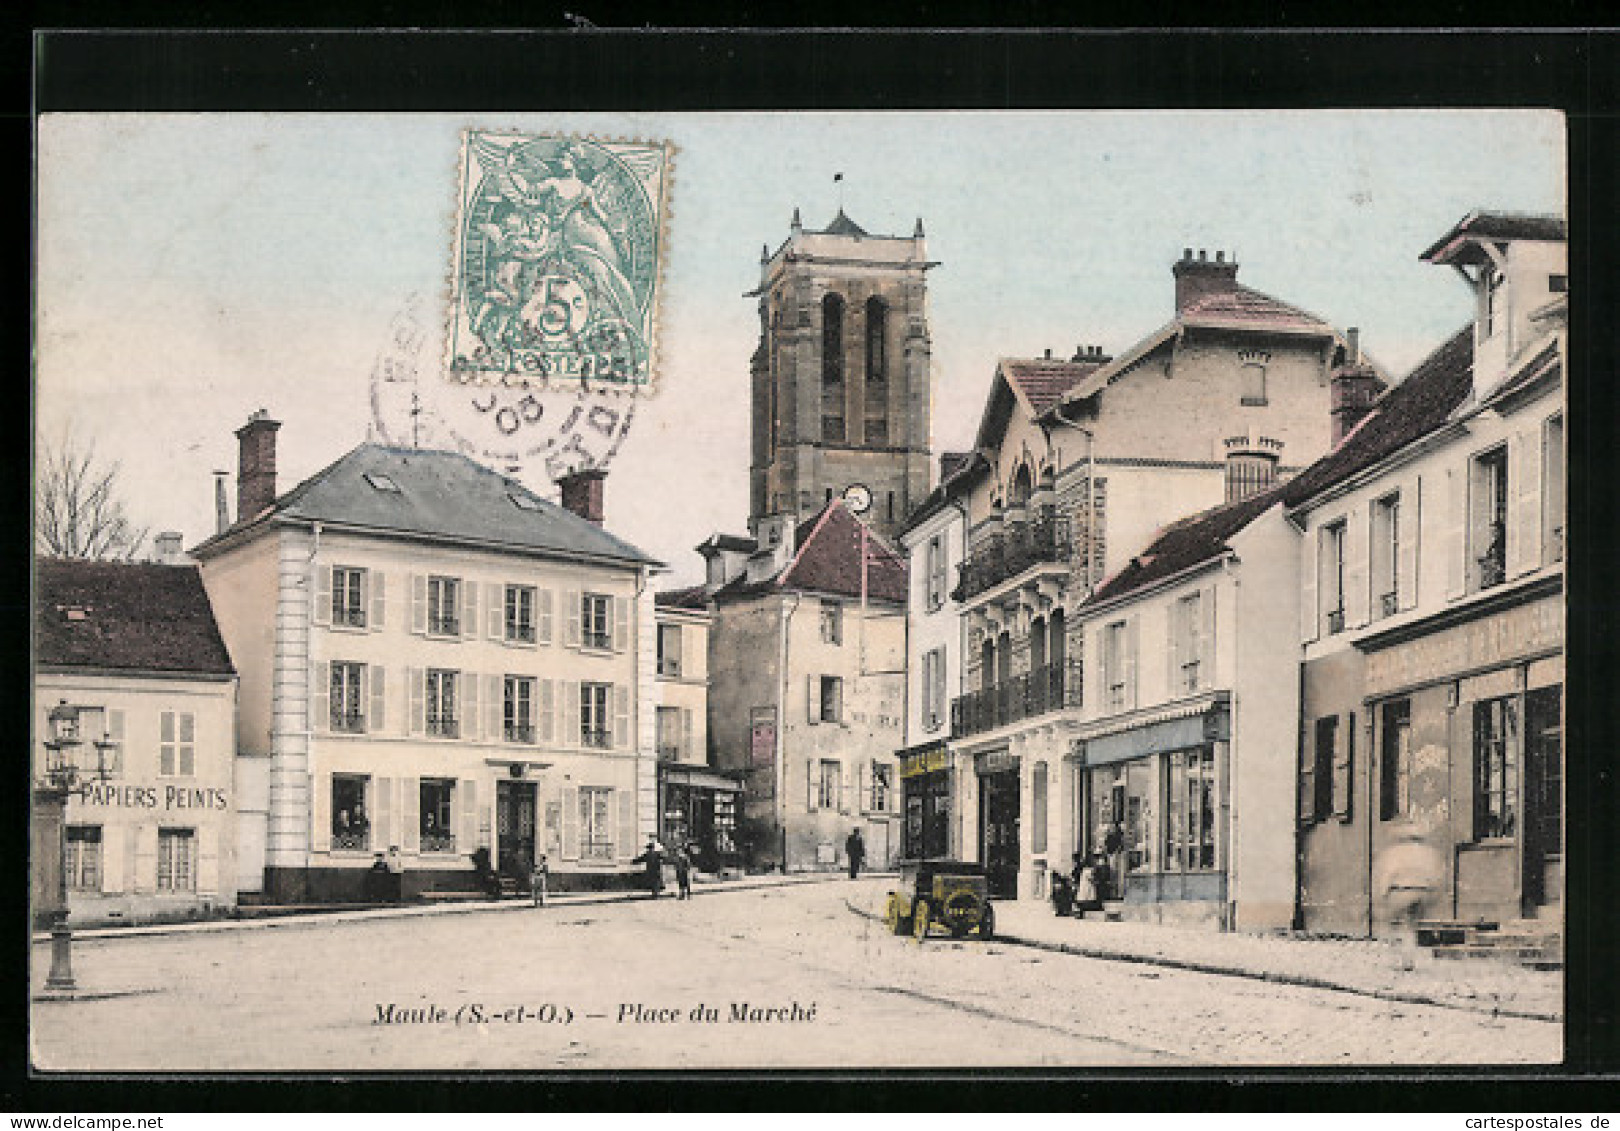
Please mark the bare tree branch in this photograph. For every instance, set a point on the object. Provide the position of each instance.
(78, 509)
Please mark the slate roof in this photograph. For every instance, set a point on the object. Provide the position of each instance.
(827, 559)
(843, 226)
(1246, 308)
(735, 542)
(441, 494)
(952, 462)
(1495, 226)
(1405, 413)
(1530, 372)
(692, 597)
(137, 616)
(1043, 381)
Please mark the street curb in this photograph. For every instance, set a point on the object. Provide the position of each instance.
(422, 910)
(1302, 980)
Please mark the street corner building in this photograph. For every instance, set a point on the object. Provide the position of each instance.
(434, 661)
(1432, 620)
(130, 655)
(1026, 702)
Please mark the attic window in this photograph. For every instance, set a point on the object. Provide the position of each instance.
(523, 502)
(381, 482)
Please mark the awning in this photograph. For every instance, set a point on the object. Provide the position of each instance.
(703, 779)
(1212, 725)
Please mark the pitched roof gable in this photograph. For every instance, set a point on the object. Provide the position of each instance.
(1478, 225)
(827, 559)
(133, 616)
(1034, 384)
(440, 495)
(1246, 308)
(1183, 545)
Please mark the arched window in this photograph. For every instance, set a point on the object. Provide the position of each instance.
(1037, 644)
(877, 338)
(832, 340)
(987, 664)
(1023, 485)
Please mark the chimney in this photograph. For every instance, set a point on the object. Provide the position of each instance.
(222, 507)
(1354, 387)
(167, 548)
(256, 466)
(582, 493)
(1198, 278)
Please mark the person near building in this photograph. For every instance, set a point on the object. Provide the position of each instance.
(488, 882)
(652, 859)
(539, 880)
(1112, 863)
(377, 881)
(855, 850)
(682, 859)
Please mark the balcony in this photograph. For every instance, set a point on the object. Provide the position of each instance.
(520, 732)
(348, 722)
(597, 738)
(1043, 540)
(1027, 696)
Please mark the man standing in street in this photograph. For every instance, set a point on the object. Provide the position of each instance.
(855, 850)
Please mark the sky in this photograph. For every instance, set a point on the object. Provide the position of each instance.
(194, 268)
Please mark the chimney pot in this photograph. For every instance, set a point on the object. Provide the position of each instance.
(167, 545)
(1202, 255)
(1220, 257)
(1186, 253)
(582, 493)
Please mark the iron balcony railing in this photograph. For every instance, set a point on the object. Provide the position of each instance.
(1021, 545)
(1045, 689)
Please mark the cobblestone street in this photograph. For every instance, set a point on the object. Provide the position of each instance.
(630, 973)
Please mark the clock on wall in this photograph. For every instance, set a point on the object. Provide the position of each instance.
(858, 498)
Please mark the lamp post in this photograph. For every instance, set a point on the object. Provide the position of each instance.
(63, 779)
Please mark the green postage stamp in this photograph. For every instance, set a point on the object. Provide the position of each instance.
(558, 259)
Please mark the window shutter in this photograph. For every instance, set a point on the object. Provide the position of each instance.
(811, 793)
(1176, 615)
(467, 830)
(1453, 546)
(691, 658)
(411, 814)
(1307, 776)
(469, 609)
(495, 600)
(382, 812)
(417, 678)
(1310, 616)
(1344, 756)
(379, 601)
(115, 731)
(812, 698)
(570, 823)
(548, 710)
(925, 699)
(377, 676)
(571, 611)
(628, 840)
(1355, 567)
(570, 714)
(1132, 631)
(323, 595)
(495, 706)
(1524, 524)
(467, 688)
(1206, 638)
(1408, 525)
(621, 716)
(322, 698)
(145, 858)
(686, 733)
(542, 615)
(113, 859)
(418, 604)
(859, 794)
(321, 812)
(621, 624)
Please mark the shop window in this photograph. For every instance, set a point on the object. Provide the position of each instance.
(596, 620)
(595, 823)
(348, 697)
(1395, 779)
(177, 860)
(520, 614)
(669, 650)
(351, 825)
(595, 725)
(1496, 786)
(348, 597)
(1190, 824)
(518, 708)
(177, 744)
(829, 784)
(437, 828)
(1332, 576)
(442, 703)
(1487, 519)
(832, 622)
(83, 861)
(1386, 556)
(444, 606)
(1552, 489)
(1544, 770)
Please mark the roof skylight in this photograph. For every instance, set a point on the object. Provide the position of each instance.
(381, 482)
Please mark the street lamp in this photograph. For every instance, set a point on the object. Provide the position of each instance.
(62, 779)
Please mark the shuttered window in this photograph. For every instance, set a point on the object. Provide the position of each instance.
(177, 746)
(177, 860)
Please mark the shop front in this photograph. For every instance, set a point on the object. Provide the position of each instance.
(1000, 797)
(698, 807)
(1467, 707)
(1153, 802)
(925, 789)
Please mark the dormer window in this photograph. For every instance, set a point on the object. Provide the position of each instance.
(381, 482)
(523, 502)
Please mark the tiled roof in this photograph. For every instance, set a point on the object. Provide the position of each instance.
(827, 559)
(952, 462)
(132, 616)
(1043, 381)
(1245, 307)
(692, 597)
(733, 542)
(1495, 226)
(1407, 412)
(442, 495)
(1527, 373)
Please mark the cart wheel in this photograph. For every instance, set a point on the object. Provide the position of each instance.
(895, 921)
(921, 915)
(987, 925)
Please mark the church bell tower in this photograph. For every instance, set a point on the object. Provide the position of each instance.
(842, 385)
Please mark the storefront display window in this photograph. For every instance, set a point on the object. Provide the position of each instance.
(1496, 786)
(1190, 793)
